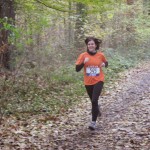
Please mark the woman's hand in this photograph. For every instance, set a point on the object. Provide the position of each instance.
(103, 65)
(86, 60)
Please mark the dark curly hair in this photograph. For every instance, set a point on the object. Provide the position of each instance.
(97, 41)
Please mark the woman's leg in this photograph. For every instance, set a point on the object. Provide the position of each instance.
(94, 92)
(95, 96)
(89, 89)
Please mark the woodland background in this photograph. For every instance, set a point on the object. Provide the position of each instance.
(41, 39)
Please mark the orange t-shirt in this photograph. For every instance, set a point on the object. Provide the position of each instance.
(92, 71)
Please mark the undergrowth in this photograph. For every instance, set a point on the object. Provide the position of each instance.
(35, 91)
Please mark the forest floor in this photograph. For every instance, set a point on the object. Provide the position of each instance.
(124, 124)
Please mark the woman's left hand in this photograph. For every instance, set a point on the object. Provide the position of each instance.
(103, 65)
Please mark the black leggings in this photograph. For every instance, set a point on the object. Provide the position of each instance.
(94, 92)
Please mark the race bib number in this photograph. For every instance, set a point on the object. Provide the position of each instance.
(92, 71)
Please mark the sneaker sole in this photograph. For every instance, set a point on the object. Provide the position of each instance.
(91, 128)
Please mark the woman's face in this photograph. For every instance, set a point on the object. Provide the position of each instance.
(91, 46)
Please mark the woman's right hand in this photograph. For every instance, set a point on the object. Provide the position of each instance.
(86, 60)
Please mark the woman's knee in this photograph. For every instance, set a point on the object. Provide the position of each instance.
(95, 103)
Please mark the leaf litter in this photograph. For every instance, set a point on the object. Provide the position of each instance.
(124, 124)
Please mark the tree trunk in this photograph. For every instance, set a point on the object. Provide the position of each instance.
(69, 26)
(79, 25)
(7, 15)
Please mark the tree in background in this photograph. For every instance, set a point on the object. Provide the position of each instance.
(49, 27)
(81, 14)
(7, 20)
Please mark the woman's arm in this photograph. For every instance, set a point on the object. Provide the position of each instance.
(106, 64)
(79, 67)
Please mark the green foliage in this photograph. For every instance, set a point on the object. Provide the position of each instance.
(7, 26)
(63, 6)
(56, 5)
(65, 75)
(117, 64)
(36, 92)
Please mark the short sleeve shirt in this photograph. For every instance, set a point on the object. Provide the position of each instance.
(92, 69)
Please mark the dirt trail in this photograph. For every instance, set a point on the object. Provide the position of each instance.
(124, 125)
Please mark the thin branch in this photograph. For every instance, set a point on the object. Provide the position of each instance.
(52, 7)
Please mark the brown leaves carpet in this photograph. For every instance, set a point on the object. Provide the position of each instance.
(124, 124)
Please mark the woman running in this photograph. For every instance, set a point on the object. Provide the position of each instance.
(92, 61)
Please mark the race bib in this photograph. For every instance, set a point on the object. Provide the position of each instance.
(92, 71)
